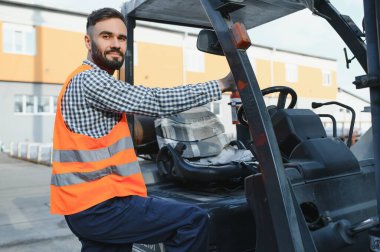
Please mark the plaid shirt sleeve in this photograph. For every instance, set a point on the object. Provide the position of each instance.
(104, 92)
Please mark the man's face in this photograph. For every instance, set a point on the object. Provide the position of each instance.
(107, 44)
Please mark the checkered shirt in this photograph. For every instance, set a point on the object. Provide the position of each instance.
(94, 100)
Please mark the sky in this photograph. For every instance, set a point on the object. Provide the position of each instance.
(306, 33)
(85, 6)
(300, 32)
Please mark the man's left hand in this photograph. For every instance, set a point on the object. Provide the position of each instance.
(227, 83)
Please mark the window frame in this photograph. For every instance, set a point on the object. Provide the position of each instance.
(329, 74)
(211, 106)
(291, 73)
(24, 30)
(195, 60)
(51, 110)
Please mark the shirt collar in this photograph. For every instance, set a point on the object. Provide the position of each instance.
(90, 63)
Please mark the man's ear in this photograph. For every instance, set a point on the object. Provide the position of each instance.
(87, 41)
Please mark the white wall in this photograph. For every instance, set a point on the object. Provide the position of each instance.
(25, 127)
(28, 16)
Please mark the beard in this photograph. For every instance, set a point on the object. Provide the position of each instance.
(101, 60)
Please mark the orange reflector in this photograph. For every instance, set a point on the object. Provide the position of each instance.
(241, 36)
(241, 85)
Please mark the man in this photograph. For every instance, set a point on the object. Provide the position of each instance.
(96, 182)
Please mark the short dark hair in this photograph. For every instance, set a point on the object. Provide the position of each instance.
(102, 14)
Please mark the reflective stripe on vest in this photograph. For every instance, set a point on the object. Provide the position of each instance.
(81, 177)
(64, 156)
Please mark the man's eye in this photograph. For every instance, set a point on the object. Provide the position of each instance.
(122, 39)
(106, 36)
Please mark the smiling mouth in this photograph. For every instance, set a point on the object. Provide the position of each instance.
(114, 54)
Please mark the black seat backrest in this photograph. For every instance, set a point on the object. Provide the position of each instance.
(292, 126)
(303, 141)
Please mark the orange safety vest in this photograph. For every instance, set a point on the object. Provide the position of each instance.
(86, 170)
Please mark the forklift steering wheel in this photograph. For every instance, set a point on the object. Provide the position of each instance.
(284, 92)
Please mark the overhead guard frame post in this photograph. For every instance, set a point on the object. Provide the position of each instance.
(129, 57)
(286, 222)
(128, 66)
(371, 20)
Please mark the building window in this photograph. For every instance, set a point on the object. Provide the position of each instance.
(30, 104)
(214, 107)
(291, 73)
(55, 99)
(194, 60)
(43, 105)
(326, 78)
(19, 39)
(18, 104)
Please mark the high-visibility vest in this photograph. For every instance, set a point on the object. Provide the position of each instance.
(86, 170)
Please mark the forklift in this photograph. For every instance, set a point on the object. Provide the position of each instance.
(297, 196)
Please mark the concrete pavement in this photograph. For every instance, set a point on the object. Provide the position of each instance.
(25, 222)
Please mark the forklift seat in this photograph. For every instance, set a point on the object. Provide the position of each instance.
(304, 144)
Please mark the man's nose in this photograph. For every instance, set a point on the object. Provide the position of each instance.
(115, 43)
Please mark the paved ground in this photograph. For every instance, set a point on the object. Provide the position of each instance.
(25, 222)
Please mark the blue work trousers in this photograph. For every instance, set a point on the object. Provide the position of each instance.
(114, 225)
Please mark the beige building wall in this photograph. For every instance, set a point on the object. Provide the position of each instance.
(59, 45)
(263, 73)
(270, 67)
(158, 65)
(216, 67)
(59, 51)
